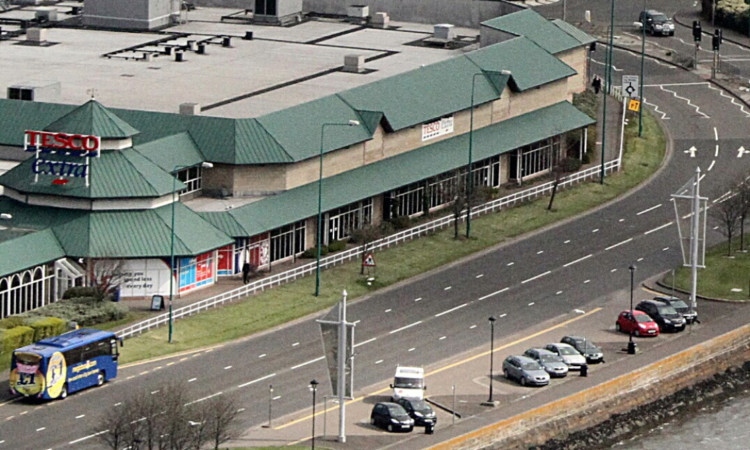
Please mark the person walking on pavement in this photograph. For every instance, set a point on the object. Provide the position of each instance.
(246, 268)
(596, 84)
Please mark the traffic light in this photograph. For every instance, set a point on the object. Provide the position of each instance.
(716, 40)
(697, 30)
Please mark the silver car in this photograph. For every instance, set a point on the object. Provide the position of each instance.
(525, 370)
(552, 363)
(570, 355)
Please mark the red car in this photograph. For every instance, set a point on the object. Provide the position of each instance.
(637, 322)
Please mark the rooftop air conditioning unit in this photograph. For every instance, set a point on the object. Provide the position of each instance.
(354, 63)
(443, 31)
(358, 11)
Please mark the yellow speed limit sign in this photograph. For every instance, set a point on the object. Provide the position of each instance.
(634, 105)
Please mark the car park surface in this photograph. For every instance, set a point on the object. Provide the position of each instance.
(637, 323)
(664, 315)
(570, 355)
(552, 363)
(592, 352)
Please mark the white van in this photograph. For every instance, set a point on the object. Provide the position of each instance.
(408, 383)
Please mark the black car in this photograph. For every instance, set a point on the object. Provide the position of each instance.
(656, 23)
(664, 315)
(680, 306)
(391, 416)
(420, 411)
(591, 351)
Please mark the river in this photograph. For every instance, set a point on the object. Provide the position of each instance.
(719, 426)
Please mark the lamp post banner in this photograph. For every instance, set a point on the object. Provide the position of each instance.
(329, 330)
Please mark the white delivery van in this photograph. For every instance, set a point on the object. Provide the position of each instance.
(408, 383)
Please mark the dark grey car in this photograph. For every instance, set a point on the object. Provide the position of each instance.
(680, 306)
(552, 363)
(391, 416)
(525, 370)
(592, 352)
(667, 317)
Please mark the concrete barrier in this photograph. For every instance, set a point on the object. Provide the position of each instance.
(593, 406)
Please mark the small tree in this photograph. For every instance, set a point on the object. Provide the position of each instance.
(727, 214)
(743, 190)
(218, 416)
(104, 275)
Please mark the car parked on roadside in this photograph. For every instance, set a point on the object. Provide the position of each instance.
(656, 23)
(420, 411)
(391, 416)
(570, 355)
(552, 363)
(678, 304)
(667, 317)
(636, 322)
(525, 370)
(592, 352)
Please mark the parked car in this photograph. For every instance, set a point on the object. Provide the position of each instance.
(681, 307)
(636, 322)
(656, 23)
(592, 352)
(391, 416)
(525, 370)
(420, 411)
(667, 317)
(552, 363)
(570, 355)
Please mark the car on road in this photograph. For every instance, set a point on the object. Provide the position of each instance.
(420, 411)
(656, 23)
(677, 303)
(525, 370)
(664, 315)
(592, 352)
(391, 416)
(636, 322)
(552, 363)
(570, 355)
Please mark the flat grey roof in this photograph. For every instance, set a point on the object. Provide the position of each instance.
(279, 68)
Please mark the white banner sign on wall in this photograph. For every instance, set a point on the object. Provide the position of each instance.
(144, 278)
(437, 128)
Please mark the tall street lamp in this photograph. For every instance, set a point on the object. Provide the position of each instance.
(314, 389)
(172, 274)
(631, 344)
(319, 231)
(490, 401)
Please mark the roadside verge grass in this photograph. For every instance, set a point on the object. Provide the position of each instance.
(642, 157)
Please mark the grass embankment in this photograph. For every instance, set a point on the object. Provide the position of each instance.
(724, 277)
(285, 303)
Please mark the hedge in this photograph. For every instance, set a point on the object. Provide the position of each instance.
(12, 338)
(45, 327)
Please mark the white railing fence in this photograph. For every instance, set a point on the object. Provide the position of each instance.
(355, 252)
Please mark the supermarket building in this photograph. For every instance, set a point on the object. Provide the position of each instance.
(121, 186)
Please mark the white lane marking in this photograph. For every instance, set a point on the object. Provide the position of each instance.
(295, 344)
(711, 166)
(535, 277)
(378, 361)
(647, 210)
(450, 310)
(262, 355)
(479, 276)
(656, 110)
(558, 292)
(118, 404)
(81, 416)
(595, 230)
(204, 398)
(494, 293)
(621, 220)
(510, 263)
(665, 249)
(472, 327)
(155, 392)
(503, 315)
(441, 338)
(716, 151)
(447, 288)
(41, 429)
(586, 281)
(613, 270)
(404, 328)
(619, 244)
(716, 134)
(578, 260)
(412, 349)
(227, 367)
(131, 376)
(418, 299)
(566, 242)
(87, 437)
(191, 380)
(731, 99)
(388, 310)
(530, 304)
(639, 260)
(688, 101)
(276, 398)
(308, 362)
(257, 380)
(365, 342)
(658, 228)
(540, 252)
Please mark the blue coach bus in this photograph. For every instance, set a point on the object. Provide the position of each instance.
(60, 365)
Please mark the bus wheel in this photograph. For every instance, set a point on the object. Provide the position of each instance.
(100, 379)
(64, 391)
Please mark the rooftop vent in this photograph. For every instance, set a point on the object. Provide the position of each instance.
(36, 35)
(380, 20)
(443, 31)
(354, 63)
(190, 109)
(43, 91)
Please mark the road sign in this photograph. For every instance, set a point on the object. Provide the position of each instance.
(630, 86)
(634, 105)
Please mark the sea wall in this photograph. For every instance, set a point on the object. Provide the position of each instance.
(683, 377)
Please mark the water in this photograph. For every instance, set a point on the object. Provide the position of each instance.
(719, 426)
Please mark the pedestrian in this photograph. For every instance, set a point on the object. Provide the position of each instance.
(246, 272)
(596, 84)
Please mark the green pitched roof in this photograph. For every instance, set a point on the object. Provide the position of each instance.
(426, 93)
(115, 174)
(172, 151)
(534, 26)
(19, 115)
(94, 119)
(377, 178)
(577, 34)
(139, 234)
(530, 65)
(29, 250)
(239, 141)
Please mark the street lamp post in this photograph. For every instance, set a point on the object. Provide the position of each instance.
(319, 231)
(314, 389)
(490, 401)
(631, 344)
(206, 165)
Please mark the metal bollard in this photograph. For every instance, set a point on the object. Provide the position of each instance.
(585, 370)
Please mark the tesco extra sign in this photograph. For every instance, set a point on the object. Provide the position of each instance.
(69, 144)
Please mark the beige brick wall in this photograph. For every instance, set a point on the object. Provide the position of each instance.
(577, 59)
(259, 180)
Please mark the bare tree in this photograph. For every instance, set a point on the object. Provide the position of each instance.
(727, 214)
(104, 275)
(743, 190)
(218, 416)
